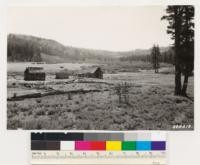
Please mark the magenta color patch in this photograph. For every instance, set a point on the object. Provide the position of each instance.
(82, 145)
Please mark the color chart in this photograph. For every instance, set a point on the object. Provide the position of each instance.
(98, 148)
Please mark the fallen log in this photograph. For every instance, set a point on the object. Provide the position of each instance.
(96, 82)
(56, 92)
(26, 96)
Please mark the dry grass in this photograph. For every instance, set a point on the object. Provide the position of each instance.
(151, 105)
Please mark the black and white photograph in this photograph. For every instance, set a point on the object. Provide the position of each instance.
(100, 68)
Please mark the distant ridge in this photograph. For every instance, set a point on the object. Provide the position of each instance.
(26, 48)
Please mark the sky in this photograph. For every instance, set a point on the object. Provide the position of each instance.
(112, 28)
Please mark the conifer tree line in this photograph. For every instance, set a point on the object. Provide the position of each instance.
(164, 57)
(18, 50)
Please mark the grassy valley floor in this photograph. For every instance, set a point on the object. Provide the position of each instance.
(150, 104)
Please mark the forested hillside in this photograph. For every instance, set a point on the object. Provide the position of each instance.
(25, 48)
(30, 48)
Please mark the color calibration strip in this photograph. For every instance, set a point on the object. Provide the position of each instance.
(98, 148)
(97, 141)
(99, 145)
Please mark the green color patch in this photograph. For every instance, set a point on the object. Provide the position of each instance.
(128, 145)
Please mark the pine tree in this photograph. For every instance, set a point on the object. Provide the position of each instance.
(187, 46)
(181, 29)
(155, 55)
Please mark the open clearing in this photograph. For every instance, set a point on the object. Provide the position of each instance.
(91, 104)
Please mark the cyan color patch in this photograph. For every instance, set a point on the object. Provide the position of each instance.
(143, 145)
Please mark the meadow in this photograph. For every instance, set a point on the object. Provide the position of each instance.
(90, 104)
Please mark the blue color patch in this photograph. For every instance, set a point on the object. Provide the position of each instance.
(143, 145)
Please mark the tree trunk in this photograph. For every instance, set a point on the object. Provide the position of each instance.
(177, 55)
(177, 71)
(185, 83)
(177, 80)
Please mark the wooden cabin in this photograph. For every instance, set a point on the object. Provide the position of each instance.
(34, 74)
(94, 72)
(64, 74)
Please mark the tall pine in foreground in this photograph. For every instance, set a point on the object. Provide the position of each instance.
(181, 29)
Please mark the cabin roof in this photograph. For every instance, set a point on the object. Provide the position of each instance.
(64, 71)
(88, 70)
(35, 69)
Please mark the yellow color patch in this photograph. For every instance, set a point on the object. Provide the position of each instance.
(113, 145)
